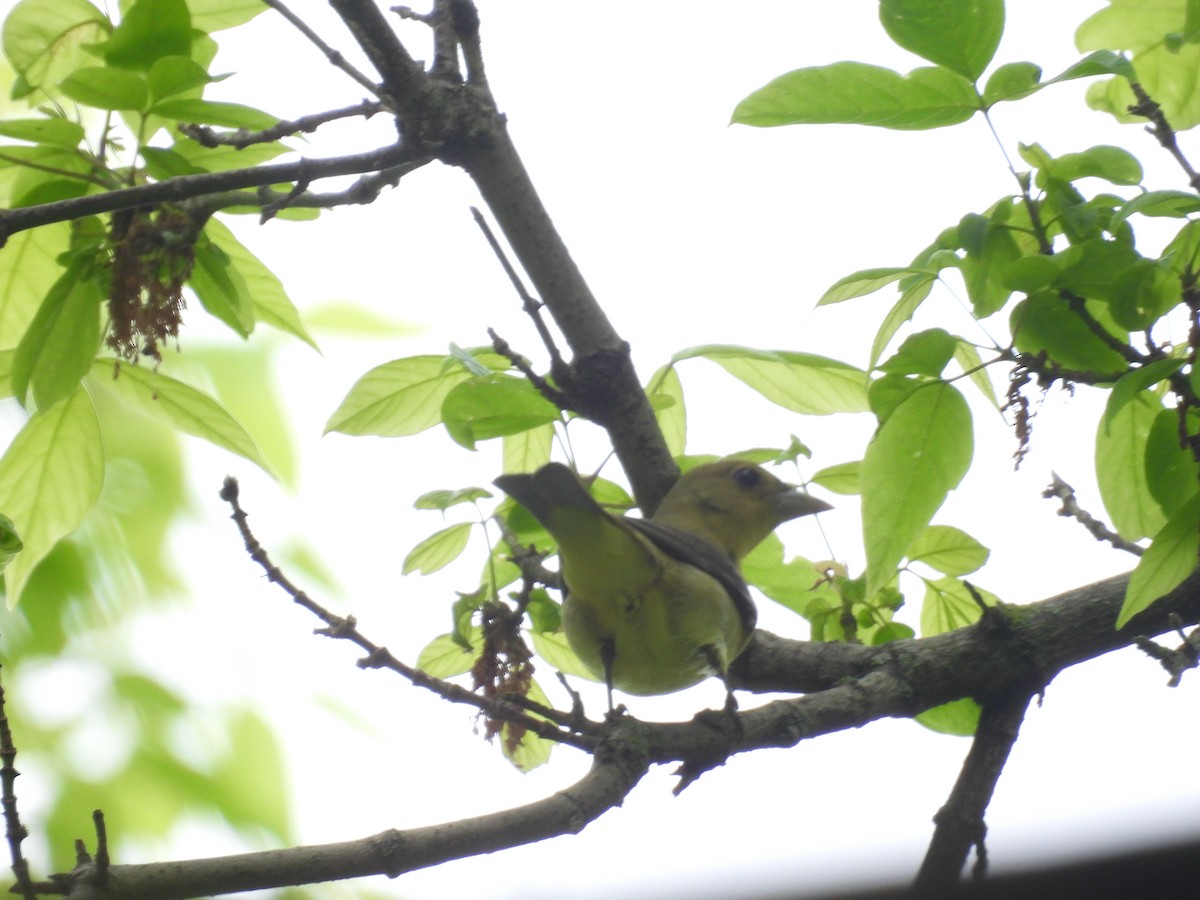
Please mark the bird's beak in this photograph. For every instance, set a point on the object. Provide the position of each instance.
(794, 503)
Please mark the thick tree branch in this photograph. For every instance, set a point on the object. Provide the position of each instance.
(960, 822)
(618, 765)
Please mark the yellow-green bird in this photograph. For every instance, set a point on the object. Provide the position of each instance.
(656, 605)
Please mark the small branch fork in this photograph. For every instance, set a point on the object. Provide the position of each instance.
(1176, 662)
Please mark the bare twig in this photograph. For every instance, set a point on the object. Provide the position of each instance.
(1162, 130)
(378, 656)
(1070, 508)
(1176, 662)
(210, 137)
(334, 56)
(14, 831)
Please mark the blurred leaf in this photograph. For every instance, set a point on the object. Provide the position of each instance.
(171, 75)
(438, 550)
(861, 94)
(1137, 380)
(841, 479)
(55, 131)
(251, 783)
(961, 35)
(104, 88)
(911, 297)
(924, 353)
(1172, 476)
(178, 406)
(949, 605)
(1012, 81)
(671, 417)
(1167, 561)
(949, 550)
(444, 658)
(271, 302)
(1121, 468)
(557, 653)
(860, 284)
(10, 542)
(532, 751)
(398, 398)
(802, 382)
(45, 39)
(220, 288)
(915, 459)
(216, 15)
(529, 450)
(1045, 322)
(149, 30)
(61, 342)
(958, 717)
(50, 477)
(211, 112)
(445, 499)
(492, 406)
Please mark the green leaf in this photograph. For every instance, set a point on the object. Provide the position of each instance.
(924, 353)
(862, 283)
(958, 717)
(10, 542)
(888, 392)
(492, 406)
(842, 478)
(1098, 62)
(50, 477)
(671, 417)
(1110, 163)
(53, 131)
(61, 342)
(554, 649)
(44, 40)
(1045, 322)
(444, 499)
(28, 270)
(915, 459)
(262, 288)
(217, 15)
(220, 288)
(1166, 563)
(948, 550)
(802, 382)
(252, 777)
(438, 550)
(1121, 468)
(398, 398)
(179, 406)
(149, 30)
(961, 35)
(911, 297)
(1171, 471)
(443, 657)
(1175, 204)
(1012, 81)
(529, 450)
(211, 112)
(949, 605)
(861, 94)
(172, 75)
(105, 88)
(530, 751)
(1137, 380)
(967, 356)
(1030, 274)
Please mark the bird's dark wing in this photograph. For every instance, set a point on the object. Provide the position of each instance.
(695, 551)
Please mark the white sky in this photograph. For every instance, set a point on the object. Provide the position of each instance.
(730, 234)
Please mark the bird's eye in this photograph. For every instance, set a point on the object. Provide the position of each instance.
(746, 476)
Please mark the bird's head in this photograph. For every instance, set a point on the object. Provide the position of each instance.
(734, 504)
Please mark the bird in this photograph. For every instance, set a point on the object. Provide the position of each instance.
(653, 606)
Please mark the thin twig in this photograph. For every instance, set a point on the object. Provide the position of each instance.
(1070, 508)
(334, 56)
(210, 137)
(1162, 130)
(14, 831)
(378, 656)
